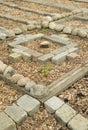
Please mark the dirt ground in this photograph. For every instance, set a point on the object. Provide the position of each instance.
(8, 95)
(76, 96)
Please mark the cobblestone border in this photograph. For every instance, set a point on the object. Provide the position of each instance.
(57, 56)
(16, 114)
(26, 105)
(57, 25)
(66, 114)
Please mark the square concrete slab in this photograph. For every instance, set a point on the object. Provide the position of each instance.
(53, 104)
(6, 123)
(16, 113)
(64, 114)
(78, 123)
(29, 104)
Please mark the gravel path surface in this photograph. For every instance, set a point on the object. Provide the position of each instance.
(8, 95)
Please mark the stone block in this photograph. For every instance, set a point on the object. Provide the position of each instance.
(34, 54)
(29, 85)
(78, 123)
(16, 50)
(59, 58)
(26, 57)
(2, 67)
(9, 71)
(23, 81)
(52, 25)
(45, 58)
(17, 31)
(6, 123)
(82, 33)
(14, 57)
(67, 30)
(16, 113)
(72, 56)
(64, 114)
(3, 36)
(10, 33)
(16, 77)
(22, 48)
(29, 104)
(53, 104)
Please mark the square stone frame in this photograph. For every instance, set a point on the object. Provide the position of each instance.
(17, 46)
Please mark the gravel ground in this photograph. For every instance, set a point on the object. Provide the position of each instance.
(42, 120)
(66, 2)
(38, 6)
(77, 96)
(19, 13)
(76, 23)
(8, 95)
(9, 24)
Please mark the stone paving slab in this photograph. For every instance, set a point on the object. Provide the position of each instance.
(64, 114)
(16, 113)
(29, 104)
(53, 104)
(78, 123)
(6, 123)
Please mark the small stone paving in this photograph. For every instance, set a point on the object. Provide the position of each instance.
(29, 103)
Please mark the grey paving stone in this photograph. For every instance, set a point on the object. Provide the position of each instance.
(29, 85)
(72, 56)
(82, 33)
(9, 71)
(45, 58)
(16, 50)
(22, 48)
(39, 91)
(65, 114)
(29, 104)
(33, 53)
(16, 77)
(26, 57)
(67, 30)
(73, 49)
(2, 67)
(14, 57)
(6, 123)
(58, 39)
(59, 58)
(53, 104)
(59, 50)
(3, 36)
(23, 81)
(16, 113)
(78, 123)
